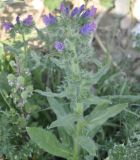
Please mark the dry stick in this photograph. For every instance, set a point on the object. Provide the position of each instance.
(97, 38)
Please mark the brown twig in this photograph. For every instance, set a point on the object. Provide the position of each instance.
(97, 38)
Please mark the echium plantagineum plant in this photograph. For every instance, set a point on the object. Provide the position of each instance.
(16, 100)
(80, 113)
(20, 78)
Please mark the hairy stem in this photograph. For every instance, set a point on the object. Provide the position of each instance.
(24, 41)
(76, 145)
(76, 150)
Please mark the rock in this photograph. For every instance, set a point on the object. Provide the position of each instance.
(125, 23)
(136, 10)
(136, 29)
(122, 7)
(124, 42)
(137, 71)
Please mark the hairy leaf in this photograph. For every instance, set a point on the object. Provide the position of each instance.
(50, 94)
(102, 71)
(67, 120)
(48, 141)
(102, 114)
(87, 144)
(58, 108)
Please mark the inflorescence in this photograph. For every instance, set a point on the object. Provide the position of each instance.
(50, 19)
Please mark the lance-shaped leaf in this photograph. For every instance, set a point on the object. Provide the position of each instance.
(88, 145)
(48, 141)
(64, 121)
(100, 115)
(50, 94)
(124, 98)
(102, 71)
(59, 108)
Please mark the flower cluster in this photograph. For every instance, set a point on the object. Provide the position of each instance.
(64, 10)
(85, 14)
(77, 11)
(90, 12)
(87, 28)
(8, 26)
(59, 46)
(49, 20)
(28, 21)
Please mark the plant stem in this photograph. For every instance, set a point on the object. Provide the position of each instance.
(74, 70)
(79, 126)
(76, 148)
(24, 41)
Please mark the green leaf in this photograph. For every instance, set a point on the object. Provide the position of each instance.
(31, 108)
(102, 71)
(124, 98)
(11, 49)
(97, 100)
(48, 141)
(1, 51)
(98, 110)
(3, 81)
(52, 5)
(59, 108)
(67, 120)
(87, 144)
(102, 113)
(50, 94)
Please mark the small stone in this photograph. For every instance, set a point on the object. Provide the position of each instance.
(136, 29)
(136, 10)
(122, 7)
(125, 23)
(124, 42)
(137, 71)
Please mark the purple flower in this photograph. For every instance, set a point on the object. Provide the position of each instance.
(28, 21)
(82, 7)
(90, 12)
(88, 28)
(75, 11)
(86, 14)
(93, 11)
(67, 10)
(64, 9)
(59, 46)
(7, 26)
(18, 19)
(49, 20)
(46, 20)
(52, 19)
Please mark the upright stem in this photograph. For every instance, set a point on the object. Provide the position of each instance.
(25, 48)
(76, 146)
(74, 70)
(79, 110)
